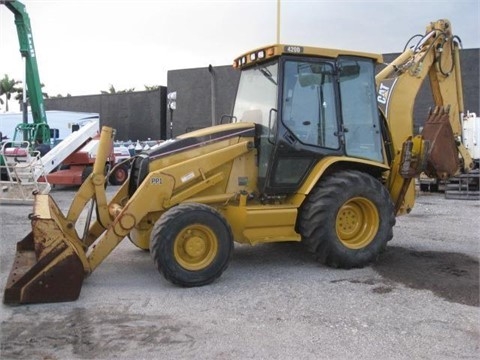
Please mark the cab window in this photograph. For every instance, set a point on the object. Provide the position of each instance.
(359, 109)
(309, 108)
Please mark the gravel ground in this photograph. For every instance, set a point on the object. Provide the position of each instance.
(420, 300)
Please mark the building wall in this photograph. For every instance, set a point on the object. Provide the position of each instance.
(194, 96)
(135, 115)
(470, 63)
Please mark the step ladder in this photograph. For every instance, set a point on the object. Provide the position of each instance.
(20, 170)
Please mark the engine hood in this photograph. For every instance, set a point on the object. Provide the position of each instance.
(201, 137)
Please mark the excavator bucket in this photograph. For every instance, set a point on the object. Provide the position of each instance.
(47, 265)
(443, 159)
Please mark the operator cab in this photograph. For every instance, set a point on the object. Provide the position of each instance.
(308, 103)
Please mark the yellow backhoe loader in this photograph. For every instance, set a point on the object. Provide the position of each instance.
(318, 150)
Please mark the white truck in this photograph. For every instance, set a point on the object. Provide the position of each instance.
(466, 186)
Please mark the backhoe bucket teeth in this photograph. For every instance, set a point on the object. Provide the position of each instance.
(47, 267)
(443, 159)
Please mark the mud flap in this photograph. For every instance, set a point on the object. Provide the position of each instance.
(443, 160)
(46, 267)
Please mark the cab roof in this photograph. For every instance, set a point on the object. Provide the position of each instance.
(269, 52)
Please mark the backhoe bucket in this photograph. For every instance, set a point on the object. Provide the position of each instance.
(47, 265)
(443, 161)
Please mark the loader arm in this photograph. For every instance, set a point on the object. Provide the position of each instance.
(436, 151)
(52, 261)
(158, 192)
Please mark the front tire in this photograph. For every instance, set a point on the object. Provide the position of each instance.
(347, 219)
(191, 244)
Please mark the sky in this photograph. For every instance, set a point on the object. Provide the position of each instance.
(83, 47)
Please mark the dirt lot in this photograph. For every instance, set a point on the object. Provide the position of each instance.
(420, 300)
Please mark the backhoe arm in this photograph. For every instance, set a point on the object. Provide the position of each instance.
(437, 150)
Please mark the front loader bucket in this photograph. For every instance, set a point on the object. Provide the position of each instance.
(47, 265)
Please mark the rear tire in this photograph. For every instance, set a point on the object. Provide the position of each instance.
(86, 172)
(347, 219)
(191, 244)
(119, 175)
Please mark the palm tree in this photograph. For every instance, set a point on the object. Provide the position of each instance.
(7, 88)
(152, 87)
(112, 90)
(19, 94)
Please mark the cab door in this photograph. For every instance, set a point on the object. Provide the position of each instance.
(307, 127)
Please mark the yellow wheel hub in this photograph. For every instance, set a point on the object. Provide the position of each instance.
(357, 223)
(195, 247)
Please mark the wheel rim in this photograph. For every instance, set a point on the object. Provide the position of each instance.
(195, 247)
(357, 223)
(120, 175)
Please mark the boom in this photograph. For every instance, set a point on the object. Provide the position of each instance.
(39, 128)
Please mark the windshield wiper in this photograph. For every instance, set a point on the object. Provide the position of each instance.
(267, 74)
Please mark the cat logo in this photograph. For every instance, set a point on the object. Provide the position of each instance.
(383, 93)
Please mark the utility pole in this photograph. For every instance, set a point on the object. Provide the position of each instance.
(278, 21)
